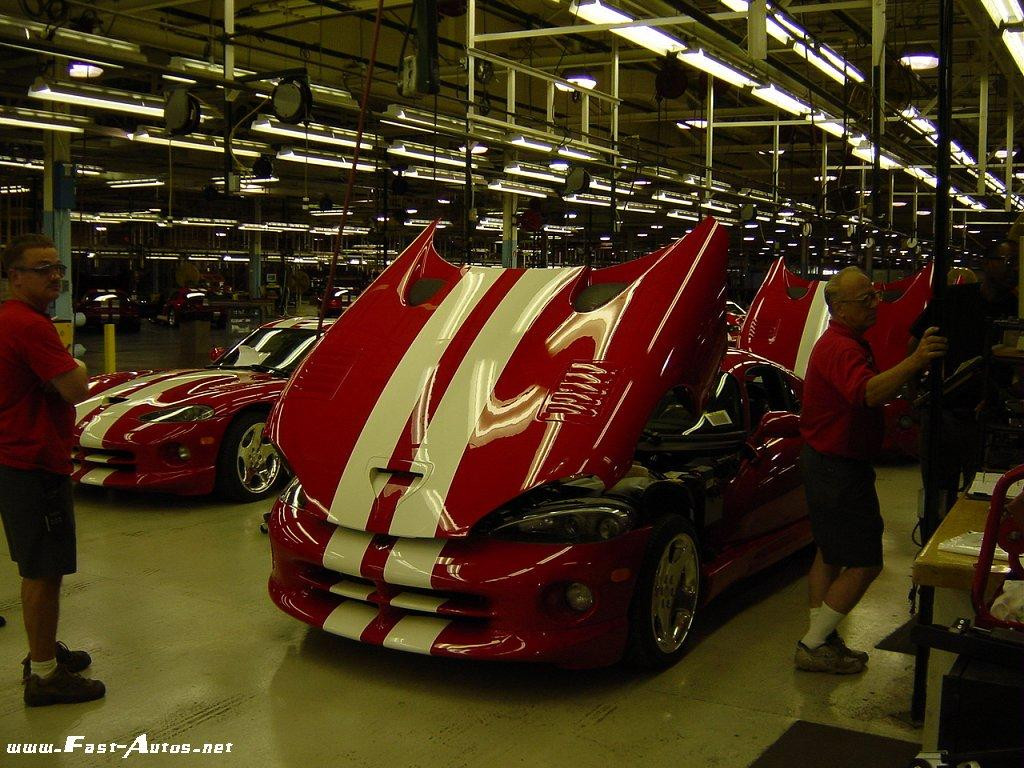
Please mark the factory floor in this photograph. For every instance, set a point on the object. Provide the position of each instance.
(170, 598)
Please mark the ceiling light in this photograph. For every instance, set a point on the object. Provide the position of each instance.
(96, 96)
(576, 154)
(713, 206)
(580, 78)
(202, 143)
(866, 152)
(529, 170)
(603, 185)
(521, 140)
(46, 121)
(129, 183)
(646, 37)
(559, 165)
(518, 188)
(14, 190)
(781, 99)
(829, 177)
(684, 215)
(1003, 11)
(83, 70)
(440, 175)
(316, 158)
(779, 151)
(315, 132)
(634, 207)
(428, 153)
(584, 198)
(674, 198)
(476, 148)
(702, 61)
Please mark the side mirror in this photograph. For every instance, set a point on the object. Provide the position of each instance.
(779, 424)
(217, 353)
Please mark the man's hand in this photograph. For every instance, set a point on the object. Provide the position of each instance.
(931, 347)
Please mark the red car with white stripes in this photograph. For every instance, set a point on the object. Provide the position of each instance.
(556, 465)
(192, 431)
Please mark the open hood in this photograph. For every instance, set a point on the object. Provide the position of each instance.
(788, 315)
(444, 392)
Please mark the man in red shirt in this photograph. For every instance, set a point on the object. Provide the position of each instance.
(842, 425)
(39, 385)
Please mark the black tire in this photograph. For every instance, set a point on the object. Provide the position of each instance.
(172, 318)
(247, 471)
(655, 640)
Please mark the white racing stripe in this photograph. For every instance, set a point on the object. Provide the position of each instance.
(353, 499)
(415, 634)
(89, 404)
(469, 394)
(411, 562)
(345, 551)
(414, 601)
(98, 426)
(814, 326)
(350, 619)
(353, 590)
(96, 476)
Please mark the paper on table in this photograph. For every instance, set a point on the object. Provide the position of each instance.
(969, 543)
(985, 482)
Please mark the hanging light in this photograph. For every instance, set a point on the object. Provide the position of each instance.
(580, 78)
(919, 59)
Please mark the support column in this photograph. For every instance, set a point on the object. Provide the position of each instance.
(1008, 205)
(757, 30)
(256, 255)
(982, 133)
(709, 135)
(58, 199)
(509, 232)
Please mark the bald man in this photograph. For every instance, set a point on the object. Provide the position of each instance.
(842, 425)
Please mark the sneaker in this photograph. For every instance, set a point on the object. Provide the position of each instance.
(72, 661)
(62, 687)
(826, 658)
(836, 641)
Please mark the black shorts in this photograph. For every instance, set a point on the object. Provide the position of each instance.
(39, 521)
(843, 505)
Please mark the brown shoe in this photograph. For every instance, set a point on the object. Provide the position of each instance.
(72, 661)
(825, 658)
(836, 641)
(62, 687)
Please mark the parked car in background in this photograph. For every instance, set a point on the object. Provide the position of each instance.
(559, 465)
(788, 315)
(339, 300)
(101, 306)
(734, 315)
(191, 304)
(192, 431)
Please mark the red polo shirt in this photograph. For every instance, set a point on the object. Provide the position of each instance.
(36, 424)
(834, 420)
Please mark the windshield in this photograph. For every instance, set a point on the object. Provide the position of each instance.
(673, 416)
(270, 349)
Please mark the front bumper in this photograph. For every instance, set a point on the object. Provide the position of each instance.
(143, 457)
(469, 598)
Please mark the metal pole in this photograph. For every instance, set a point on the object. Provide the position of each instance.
(940, 264)
(982, 133)
(709, 135)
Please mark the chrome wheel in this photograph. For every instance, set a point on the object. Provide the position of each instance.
(675, 593)
(256, 463)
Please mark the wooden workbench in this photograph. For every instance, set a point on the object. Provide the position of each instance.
(933, 568)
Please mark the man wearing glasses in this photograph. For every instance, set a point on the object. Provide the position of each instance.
(39, 386)
(842, 425)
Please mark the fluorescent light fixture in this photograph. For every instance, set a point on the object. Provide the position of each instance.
(817, 61)
(440, 175)
(554, 229)
(428, 153)
(199, 142)
(520, 140)
(781, 99)
(194, 221)
(293, 155)
(840, 63)
(95, 42)
(685, 125)
(584, 198)
(518, 188)
(314, 132)
(531, 171)
(634, 207)
(700, 60)
(920, 124)
(96, 96)
(567, 150)
(684, 215)
(421, 223)
(647, 37)
(1001, 154)
(423, 118)
(325, 94)
(81, 70)
(14, 190)
(922, 175)
(713, 206)
(673, 198)
(198, 66)
(129, 183)
(1003, 11)
(46, 121)
(604, 185)
(865, 151)
(829, 177)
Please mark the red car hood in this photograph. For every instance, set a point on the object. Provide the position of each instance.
(443, 393)
(122, 397)
(788, 315)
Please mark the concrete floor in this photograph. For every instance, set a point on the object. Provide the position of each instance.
(170, 599)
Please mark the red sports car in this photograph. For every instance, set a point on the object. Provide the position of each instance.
(788, 315)
(192, 431)
(101, 306)
(556, 465)
(194, 303)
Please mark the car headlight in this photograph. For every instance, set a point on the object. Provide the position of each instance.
(292, 495)
(180, 413)
(572, 522)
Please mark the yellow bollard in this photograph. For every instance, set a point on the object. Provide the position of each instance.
(109, 349)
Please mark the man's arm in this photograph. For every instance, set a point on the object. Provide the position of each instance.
(883, 387)
(73, 386)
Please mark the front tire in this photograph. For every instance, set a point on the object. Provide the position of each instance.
(248, 467)
(667, 595)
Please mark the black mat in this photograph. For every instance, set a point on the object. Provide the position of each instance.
(898, 641)
(809, 745)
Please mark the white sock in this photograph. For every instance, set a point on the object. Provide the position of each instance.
(44, 668)
(822, 624)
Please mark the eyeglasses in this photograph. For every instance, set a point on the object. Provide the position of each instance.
(867, 300)
(45, 269)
